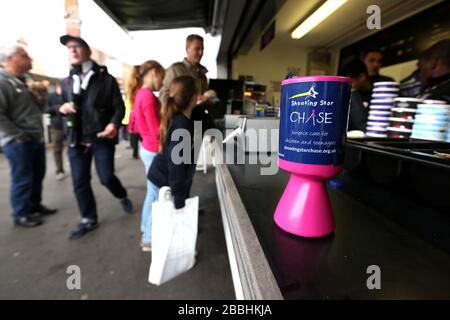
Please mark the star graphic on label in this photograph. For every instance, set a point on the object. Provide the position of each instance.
(310, 93)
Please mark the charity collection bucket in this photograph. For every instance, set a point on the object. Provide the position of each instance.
(313, 125)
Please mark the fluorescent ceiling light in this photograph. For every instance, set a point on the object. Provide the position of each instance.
(317, 17)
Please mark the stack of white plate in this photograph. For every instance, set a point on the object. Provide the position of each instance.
(432, 121)
(380, 108)
(402, 118)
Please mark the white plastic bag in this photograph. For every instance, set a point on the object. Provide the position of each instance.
(174, 236)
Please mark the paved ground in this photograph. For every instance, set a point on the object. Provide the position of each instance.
(33, 262)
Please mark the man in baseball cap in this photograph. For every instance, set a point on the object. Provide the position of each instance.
(66, 38)
(95, 108)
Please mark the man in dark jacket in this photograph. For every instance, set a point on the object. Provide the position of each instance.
(411, 85)
(361, 92)
(55, 100)
(435, 71)
(94, 110)
(373, 59)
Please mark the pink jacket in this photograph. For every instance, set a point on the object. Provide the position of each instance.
(145, 119)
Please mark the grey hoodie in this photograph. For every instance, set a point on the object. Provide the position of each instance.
(20, 113)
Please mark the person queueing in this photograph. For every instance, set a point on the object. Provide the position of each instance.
(130, 91)
(22, 136)
(94, 110)
(146, 116)
(169, 167)
(189, 66)
(133, 85)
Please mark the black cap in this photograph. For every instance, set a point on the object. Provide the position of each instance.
(68, 37)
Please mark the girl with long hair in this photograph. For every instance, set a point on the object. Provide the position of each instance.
(171, 168)
(145, 120)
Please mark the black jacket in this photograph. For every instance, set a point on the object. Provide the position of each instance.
(165, 172)
(439, 88)
(359, 110)
(54, 103)
(201, 113)
(411, 85)
(98, 106)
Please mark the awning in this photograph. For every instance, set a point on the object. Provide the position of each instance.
(159, 14)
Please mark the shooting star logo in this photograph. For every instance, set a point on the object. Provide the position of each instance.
(310, 93)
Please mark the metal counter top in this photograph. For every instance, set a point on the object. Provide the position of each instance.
(336, 267)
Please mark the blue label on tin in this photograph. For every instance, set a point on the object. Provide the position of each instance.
(313, 122)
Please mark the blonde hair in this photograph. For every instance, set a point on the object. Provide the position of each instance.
(210, 93)
(132, 84)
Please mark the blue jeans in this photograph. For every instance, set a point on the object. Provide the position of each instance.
(27, 163)
(80, 163)
(152, 195)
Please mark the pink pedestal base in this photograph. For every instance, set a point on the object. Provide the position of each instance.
(304, 208)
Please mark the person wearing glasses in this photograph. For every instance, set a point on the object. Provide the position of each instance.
(94, 110)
